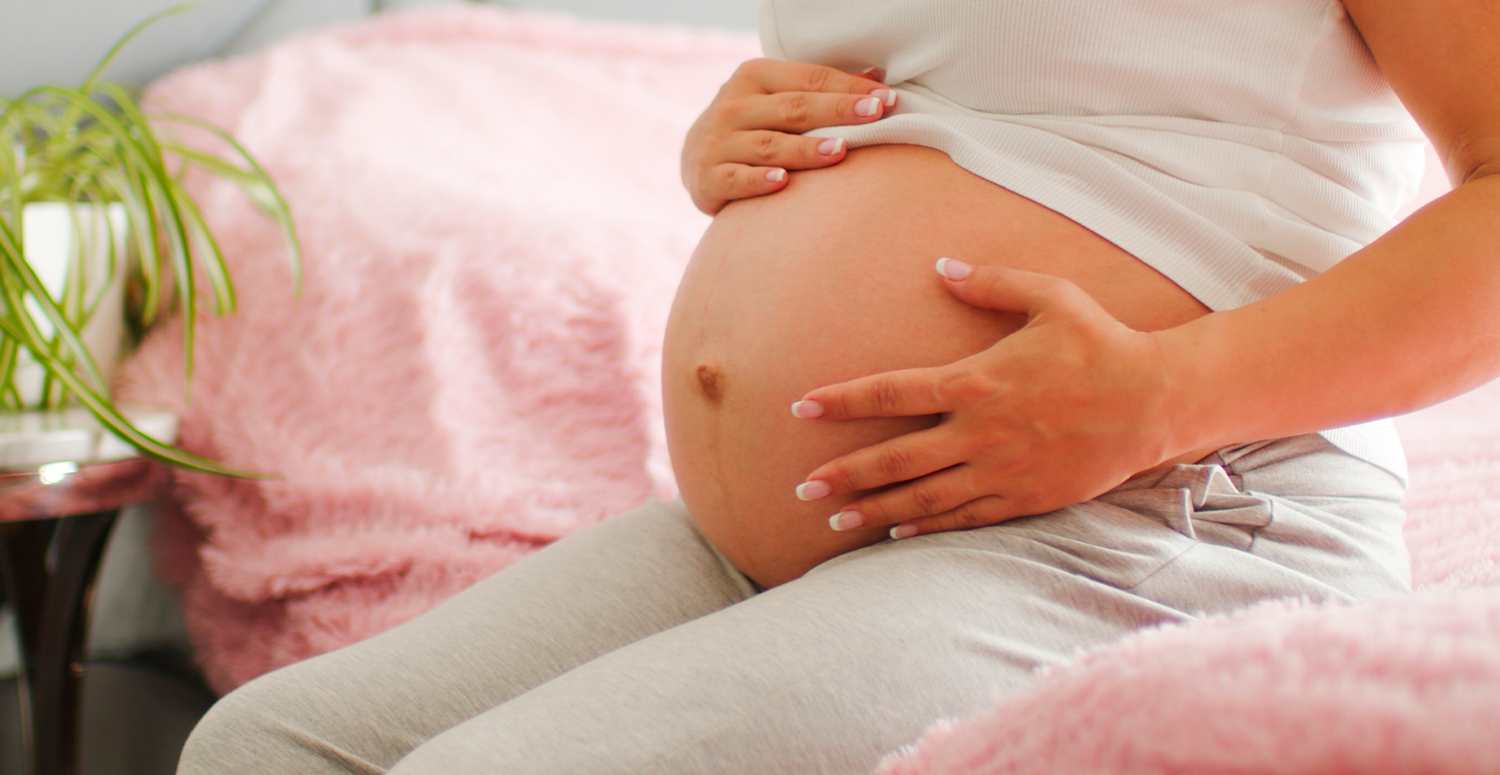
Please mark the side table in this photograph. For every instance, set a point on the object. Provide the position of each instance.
(55, 517)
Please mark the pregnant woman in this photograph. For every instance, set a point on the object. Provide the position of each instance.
(1142, 385)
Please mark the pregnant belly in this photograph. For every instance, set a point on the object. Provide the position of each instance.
(829, 280)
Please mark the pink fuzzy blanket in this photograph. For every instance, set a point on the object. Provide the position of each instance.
(1402, 685)
(494, 229)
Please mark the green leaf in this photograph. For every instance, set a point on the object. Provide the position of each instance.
(277, 206)
(19, 269)
(88, 83)
(206, 251)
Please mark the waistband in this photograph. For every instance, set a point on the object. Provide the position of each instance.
(1375, 443)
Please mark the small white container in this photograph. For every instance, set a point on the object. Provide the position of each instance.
(54, 234)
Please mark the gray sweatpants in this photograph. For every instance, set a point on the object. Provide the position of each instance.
(634, 647)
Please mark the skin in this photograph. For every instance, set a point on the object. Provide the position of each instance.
(754, 326)
(1082, 396)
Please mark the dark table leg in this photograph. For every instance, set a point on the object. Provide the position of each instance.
(49, 571)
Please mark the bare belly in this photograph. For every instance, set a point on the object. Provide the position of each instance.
(829, 280)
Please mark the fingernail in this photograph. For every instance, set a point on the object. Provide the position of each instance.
(776, 176)
(807, 410)
(954, 269)
(811, 491)
(867, 107)
(888, 96)
(846, 520)
(871, 69)
(831, 146)
(903, 531)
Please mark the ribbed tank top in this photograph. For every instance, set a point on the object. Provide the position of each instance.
(1238, 148)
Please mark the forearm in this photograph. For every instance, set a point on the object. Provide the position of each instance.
(1412, 319)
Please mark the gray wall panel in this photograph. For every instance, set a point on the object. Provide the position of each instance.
(59, 41)
(725, 14)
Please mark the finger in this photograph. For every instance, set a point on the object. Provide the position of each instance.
(872, 73)
(779, 149)
(977, 513)
(801, 111)
(936, 493)
(900, 459)
(1006, 290)
(727, 182)
(769, 76)
(908, 393)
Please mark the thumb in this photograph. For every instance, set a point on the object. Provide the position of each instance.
(1002, 289)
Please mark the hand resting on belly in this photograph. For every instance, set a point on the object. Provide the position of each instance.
(830, 280)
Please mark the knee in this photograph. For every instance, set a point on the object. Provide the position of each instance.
(232, 727)
(257, 729)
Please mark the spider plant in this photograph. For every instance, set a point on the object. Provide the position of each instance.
(91, 146)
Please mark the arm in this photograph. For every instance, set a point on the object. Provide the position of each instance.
(1074, 403)
(1410, 320)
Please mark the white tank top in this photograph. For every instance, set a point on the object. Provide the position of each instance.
(1238, 148)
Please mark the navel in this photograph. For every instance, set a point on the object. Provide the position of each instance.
(711, 381)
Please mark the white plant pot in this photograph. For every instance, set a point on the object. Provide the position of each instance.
(51, 245)
(31, 438)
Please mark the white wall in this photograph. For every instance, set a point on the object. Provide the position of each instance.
(59, 41)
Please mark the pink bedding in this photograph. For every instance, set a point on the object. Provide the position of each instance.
(1401, 685)
(493, 230)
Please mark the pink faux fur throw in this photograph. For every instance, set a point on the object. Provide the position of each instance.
(1404, 685)
(1395, 686)
(493, 231)
(493, 228)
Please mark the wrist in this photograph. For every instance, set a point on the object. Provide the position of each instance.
(1188, 414)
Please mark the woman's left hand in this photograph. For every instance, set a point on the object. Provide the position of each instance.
(1055, 414)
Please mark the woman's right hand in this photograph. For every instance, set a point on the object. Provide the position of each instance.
(750, 136)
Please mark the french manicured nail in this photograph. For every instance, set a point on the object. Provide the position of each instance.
(846, 520)
(954, 269)
(831, 146)
(807, 410)
(867, 107)
(888, 96)
(903, 531)
(811, 491)
(776, 176)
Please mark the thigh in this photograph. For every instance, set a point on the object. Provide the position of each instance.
(829, 672)
(856, 658)
(1334, 517)
(1293, 517)
(362, 708)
